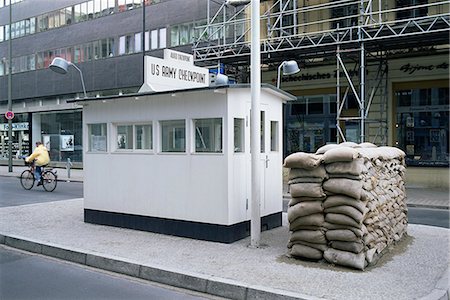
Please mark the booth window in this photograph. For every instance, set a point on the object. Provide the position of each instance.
(143, 137)
(208, 135)
(239, 137)
(273, 136)
(124, 137)
(97, 137)
(173, 135)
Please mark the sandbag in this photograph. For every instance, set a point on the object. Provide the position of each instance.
(311, 236)
(304, 209)
(321, 247)
(302, 160)
(325, 148)
(306, 190)
(339, 200)
(306, 252)
(359, 232)
(355, 167)
(339, 154)
(311, 220)
(355, 247)
(318, 172)
(305, 180)
(295, 200)
(344, 186)
(367, 145)
(348, 211)
(341, 219)
(343, 235)
(345, 258)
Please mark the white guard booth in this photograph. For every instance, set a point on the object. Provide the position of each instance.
(179, 163)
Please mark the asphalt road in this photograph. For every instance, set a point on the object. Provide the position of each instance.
(31, 276)
(12, 193)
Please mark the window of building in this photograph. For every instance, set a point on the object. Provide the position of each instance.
(423, 125)
(407, 9)
(162, 38)
(154, 39)
(274, 136)
(208, 135)
(97, 137)
(239, 135)
(124, 137)
(173, 136)
(344, 16)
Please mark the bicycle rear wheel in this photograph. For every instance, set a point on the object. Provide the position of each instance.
(27, 179)
(49, 181)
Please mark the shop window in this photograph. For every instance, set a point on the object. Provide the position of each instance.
(173, 135)
(274, 136)
(208, 135)
(239, 135)
(124, 137)
(97, 137)
(423, 125)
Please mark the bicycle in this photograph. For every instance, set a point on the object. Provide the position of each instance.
(49, 177)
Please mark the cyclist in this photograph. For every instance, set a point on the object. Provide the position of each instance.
(41, 158)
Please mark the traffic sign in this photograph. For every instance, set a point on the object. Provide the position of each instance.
(9, 115)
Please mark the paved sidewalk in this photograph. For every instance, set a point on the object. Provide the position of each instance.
(417, 267)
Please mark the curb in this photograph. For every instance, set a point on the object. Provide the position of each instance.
(207, 284)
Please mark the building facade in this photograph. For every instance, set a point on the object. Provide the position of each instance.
(375, 71)
(102, 37)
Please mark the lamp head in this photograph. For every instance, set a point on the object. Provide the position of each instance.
(290, 67)
(59, 65)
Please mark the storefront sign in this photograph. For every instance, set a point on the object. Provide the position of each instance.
(169, 75)
(15, 126)
(412, 68)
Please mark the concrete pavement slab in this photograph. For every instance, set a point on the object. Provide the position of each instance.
(413, 269)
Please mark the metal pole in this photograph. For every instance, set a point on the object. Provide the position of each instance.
(10, 168)
(255, 134)
(82, 79)
(143, 40)
(362, 73)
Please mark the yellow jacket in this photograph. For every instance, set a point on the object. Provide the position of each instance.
(41, 156)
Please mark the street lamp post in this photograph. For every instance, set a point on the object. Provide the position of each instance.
(10, 168)
(255, 129)
(60, 66)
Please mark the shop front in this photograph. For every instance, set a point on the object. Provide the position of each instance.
(413, 114)
(20, 136)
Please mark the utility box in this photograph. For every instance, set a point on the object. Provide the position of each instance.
(179, 162)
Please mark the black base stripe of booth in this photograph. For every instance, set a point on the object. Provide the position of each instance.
(189, 229)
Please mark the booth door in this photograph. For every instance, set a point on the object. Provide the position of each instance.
(271, 169)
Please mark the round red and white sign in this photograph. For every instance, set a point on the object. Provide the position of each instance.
(9, 115)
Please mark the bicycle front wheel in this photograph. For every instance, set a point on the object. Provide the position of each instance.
(49, 181)
(27, 179)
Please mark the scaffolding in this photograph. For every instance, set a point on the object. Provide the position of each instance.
(358, 33)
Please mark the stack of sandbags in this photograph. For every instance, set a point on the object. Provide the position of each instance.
(305, 212)
(364, 208)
